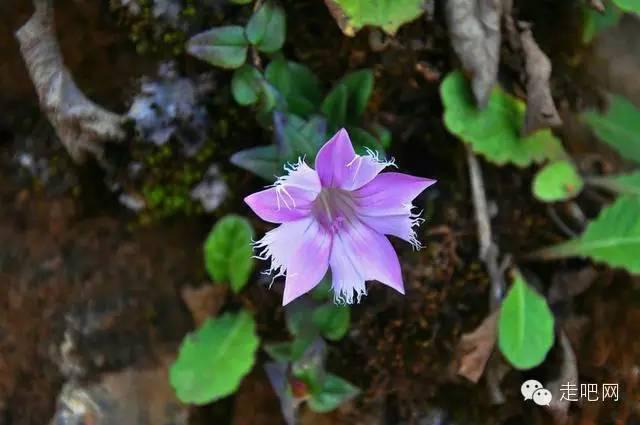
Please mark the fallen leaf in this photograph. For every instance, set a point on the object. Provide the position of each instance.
(205, 301)
(474, 27)
(541, 111)
(476, 347)
(81, 125)
(558, 408)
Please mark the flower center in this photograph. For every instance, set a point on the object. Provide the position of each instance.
(333, 208)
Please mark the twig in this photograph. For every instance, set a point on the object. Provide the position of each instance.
(488, 249)
(255, 56)
(489, 256)
(558, 222)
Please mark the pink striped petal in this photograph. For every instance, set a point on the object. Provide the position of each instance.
(290, 198)
(339, 166)
(389, 194)
(279, 244)
(309, 262)
(401, 226)
(358, 254)
(333, 159)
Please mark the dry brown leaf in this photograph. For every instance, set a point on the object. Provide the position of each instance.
(476, 347)
(474, 27)
(205, 301)
(541, 110)
(81, 125)
(559, 408)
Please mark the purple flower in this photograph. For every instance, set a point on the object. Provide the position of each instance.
(337, 216)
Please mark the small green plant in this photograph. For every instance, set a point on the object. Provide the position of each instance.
(301, 375)
(286, 96)
(614, 236)
(213, 359)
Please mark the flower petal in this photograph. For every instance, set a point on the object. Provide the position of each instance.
(309, 264)
(279, 244)
(401, 226)
(358, 254)
(338, 164)
(389, 194)
(290, 198)
(363, 169)
(333, 159)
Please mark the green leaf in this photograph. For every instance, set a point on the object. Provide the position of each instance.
(619, 126)
(363, 140)
(612, 238)
(623, 183)
(228, 252)
(359, 86)
(268, 97)
(347, 101)
(495, 130)
(279, 351)
(241, 1)
(299, 86)
(333, 393)
(300, 138)
(594, 22)
(225, 47)
(263, 161)
(383, 135)
(301, 343)
(351, 15)
(557, 181)
(213, 359)
(246, 85)
(334, 107)
(332, 320)
(322, 291)
(631, 6)
(267, 27)
(525, 326)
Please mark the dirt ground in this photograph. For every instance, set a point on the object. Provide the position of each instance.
(88, 291)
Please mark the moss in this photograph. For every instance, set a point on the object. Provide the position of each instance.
(151, 34)
(169, 179)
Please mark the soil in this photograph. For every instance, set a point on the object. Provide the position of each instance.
(88, 290)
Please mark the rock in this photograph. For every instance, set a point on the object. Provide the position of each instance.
(129, 397)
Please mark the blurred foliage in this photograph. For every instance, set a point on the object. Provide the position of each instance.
(619, 126)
